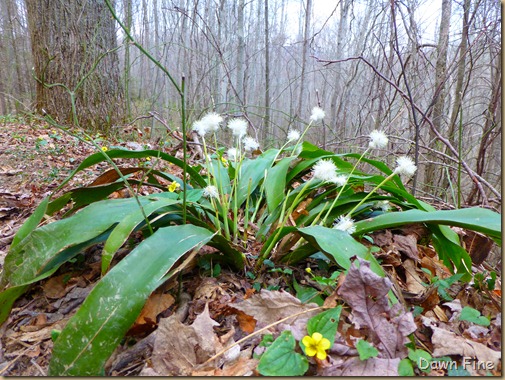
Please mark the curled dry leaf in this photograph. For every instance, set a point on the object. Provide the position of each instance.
(388, 326)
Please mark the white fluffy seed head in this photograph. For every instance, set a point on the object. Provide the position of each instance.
(211, 192)
(405, 166)
(340, 180)
(378, 139)
(232, 154)
(250, 143)
(317, 114)
(324, 170)
(208, 123)
(293, 135)
(238, 127)
(346, 224)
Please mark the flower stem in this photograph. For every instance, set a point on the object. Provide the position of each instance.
(370, 194)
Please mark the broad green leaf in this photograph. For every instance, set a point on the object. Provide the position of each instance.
(252, 172)
(281, 359)
(366, 350)
(7, 298)
(31, 223)
(92, 334)
(381, 166)
(123, 153)
(307, 294)
(476, 218)
(405, 368)
(220, 173)
(122, 231)
(325, 323)
(338, 244)
(275, 184)
(230, 255)
(420, 357)
(452, 255)
(28, 259)
(471, 315)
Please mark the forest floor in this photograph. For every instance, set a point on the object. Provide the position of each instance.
(218, 307)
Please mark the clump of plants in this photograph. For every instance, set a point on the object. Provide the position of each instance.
(297, 201)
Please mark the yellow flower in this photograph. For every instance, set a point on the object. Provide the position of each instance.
(148, 158)
(224, 161)
(308, 270)
(104, 149)
(173, 186)
(316, 345)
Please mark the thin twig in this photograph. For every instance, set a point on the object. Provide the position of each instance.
(445, 141)
(259, 332)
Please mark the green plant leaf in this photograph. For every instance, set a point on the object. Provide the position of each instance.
(475, 218)
(31, 223)
(275, 184)
(252, 172)
(40, 253)
(338, 245)
(98, 157)
(421, 358)
(92, 334)
(471, 315)
(405, 368)
(325, 323)
(366, 350)
(307, 294)
(122, 231)
(281, 359)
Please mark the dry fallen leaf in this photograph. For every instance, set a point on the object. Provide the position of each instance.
(268, 307)
(353, 366)
(388, 327)
(178, 348)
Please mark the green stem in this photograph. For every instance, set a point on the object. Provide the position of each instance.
(349, 214)
(342, 188)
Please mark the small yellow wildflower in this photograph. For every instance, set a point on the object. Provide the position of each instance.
(173, 186)
(104, 149)
(148, 158)
(224, 161)
(316, 345)
(308, 270)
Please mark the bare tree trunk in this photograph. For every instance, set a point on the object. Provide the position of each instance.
(127, 4)
(338, 82)
(458, 91)
(491, 131)
(433, 174)
(70, 40)
(305, 48)
(266, 125)
(240, 53)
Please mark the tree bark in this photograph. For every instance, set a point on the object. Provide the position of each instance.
(305, 48)
(433, 175)
(266, 125)
(72, 40)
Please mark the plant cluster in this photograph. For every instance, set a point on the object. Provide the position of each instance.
(297, 200)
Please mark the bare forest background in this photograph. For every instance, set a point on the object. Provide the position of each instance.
(427, 72)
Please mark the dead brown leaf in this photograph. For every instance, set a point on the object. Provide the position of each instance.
(353, 366)
(388, 326)
(408, 245)
(268, 307)
(448, 343)
(178, 348)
